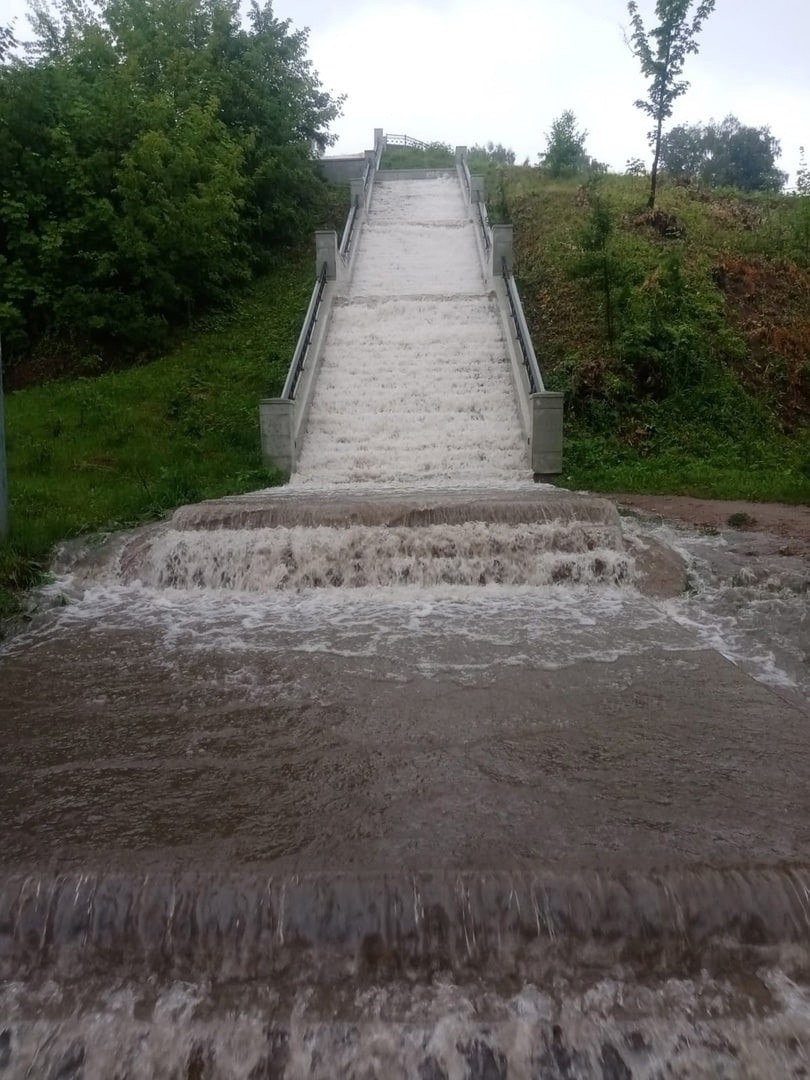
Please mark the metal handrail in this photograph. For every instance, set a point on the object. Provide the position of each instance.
(484, 226)
(348, 232)
(305, 338)
(465, 172)
(522, 331)
(366, 180)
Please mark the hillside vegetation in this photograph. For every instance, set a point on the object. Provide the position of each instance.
(114, 450)
(681, 336)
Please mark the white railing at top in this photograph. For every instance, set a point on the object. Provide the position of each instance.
(406, 140)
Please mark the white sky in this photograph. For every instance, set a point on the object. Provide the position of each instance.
(465, 71)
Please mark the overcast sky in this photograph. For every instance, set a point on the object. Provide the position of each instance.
(465, 71)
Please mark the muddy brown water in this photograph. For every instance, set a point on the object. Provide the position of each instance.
(443, 830)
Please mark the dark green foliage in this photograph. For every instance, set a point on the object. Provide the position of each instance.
(662, 53)
(725, 154)
(600, 262)
(155, 153)
(565, 153)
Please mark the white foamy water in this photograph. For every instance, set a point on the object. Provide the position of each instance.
(475, 553)
(415, 385)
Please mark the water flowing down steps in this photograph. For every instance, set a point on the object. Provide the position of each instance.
(415, 385)
(412, 768)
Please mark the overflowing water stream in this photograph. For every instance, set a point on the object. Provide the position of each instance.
(413, 768)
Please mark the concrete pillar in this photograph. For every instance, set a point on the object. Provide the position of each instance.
(477, 189)
(378, 137)
(547, 433)
(276, 417)
(461, 153)
(501, 249)
(326, 251)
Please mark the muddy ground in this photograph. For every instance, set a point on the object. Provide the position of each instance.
(780, 519)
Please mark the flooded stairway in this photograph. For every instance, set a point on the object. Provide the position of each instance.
(415, 385)
(412, 768)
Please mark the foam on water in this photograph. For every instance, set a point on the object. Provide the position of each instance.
(747, 600)
(475, 553)
(415, 383)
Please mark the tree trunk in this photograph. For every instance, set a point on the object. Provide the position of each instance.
(656, 159)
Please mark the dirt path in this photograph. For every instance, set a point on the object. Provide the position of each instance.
(791, 522)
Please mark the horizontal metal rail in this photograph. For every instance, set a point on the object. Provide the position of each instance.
(522, 331)
(366, 181)
(406, 140)
(465, 172)
(305, 339)
(482, 217)
(348, 233)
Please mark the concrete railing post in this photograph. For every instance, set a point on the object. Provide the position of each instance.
(326, 251)
(461, 153)
(501, 249)
(477, 189)
(356, 187)
(276, 416)
(547, 433)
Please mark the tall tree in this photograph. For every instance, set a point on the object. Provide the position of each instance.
(724, 154)
(662, 53)
(565, 153)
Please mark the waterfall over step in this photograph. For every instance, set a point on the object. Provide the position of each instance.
(423, 539)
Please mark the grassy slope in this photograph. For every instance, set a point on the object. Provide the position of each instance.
(742, 430)
(110, 451)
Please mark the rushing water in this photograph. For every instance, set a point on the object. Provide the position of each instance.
(415, 383)
(414, 768)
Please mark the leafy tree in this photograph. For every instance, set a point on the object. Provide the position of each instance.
(565, 153)
(803, 174)
(492, 154)
(725, 154)
(662, 53)
(154, 154)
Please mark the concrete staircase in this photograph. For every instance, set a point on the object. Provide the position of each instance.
(414, 385)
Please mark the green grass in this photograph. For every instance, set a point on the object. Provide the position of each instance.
(779, 474)
(108, 452)
(726, 412)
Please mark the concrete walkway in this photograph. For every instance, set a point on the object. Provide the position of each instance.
(415, 384)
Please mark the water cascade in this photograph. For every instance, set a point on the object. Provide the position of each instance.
(412, 768)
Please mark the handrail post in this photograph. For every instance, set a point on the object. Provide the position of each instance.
(326, 251)
(477, 189)
(547, 432)
(502, 250)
